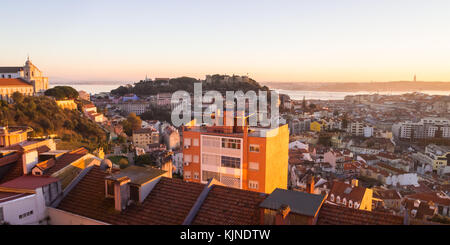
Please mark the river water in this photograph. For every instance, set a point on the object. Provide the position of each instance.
(94, 88)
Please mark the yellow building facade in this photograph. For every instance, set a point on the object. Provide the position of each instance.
(316, 126)
(67, 104)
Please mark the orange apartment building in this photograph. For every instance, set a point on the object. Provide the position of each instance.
(249, 158)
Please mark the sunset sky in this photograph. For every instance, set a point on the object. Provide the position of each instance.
(285, 41)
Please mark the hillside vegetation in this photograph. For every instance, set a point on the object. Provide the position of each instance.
(46, 118)
(185, 84)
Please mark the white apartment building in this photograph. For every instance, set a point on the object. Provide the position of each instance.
(426, 128)
(138, 107)
(360, 129)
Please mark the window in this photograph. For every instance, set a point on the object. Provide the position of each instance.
(344, 201)
(187, 158)
(230, 180)
(231, 162)
(1, 214)
(209, 159)
(187, 174)
(350, 204)
(254, 148)
(196, 160)
(253, 166)
(338, 199)
(231, 143)
(332, 197)
(211, 141)
(196, 175)
(187, 142)
(195, 143)
(252, 184)
(207, 175)
(26, 214)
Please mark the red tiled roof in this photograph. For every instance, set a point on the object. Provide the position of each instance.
(424, 209)
(15, 170)
(43, 148)
(89, 106)
(8, 159)
(46, 164)
(387, 194)
(66, 159)
(229, 206)
(430, 197)
(388, 156)
(167, 204)
(14, 82)
(368, 157)
(390, 168)
(339, 189)
(336, 215)
(28, 182)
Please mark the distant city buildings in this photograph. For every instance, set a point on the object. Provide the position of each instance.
(429, 127)
(144, 137)
(222, 79)
(84, 95)
(134, 106)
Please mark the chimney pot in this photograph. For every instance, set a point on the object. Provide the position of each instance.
(310, 185)
(355, 183)
(282, 212)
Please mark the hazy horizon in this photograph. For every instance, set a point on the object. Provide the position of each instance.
(282, 41)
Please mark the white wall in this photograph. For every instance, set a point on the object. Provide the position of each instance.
(14, 208)
(30, 159)
(60, 217)
(403, 179)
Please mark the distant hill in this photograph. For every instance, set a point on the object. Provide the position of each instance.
(399, 86)
(185, 84)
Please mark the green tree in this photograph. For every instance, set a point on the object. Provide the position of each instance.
(123, 163)
(143, 160)
(62, 92)
(133, 122)
(17, 97)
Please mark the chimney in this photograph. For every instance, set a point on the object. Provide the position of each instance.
(29, 160)
(121, 193)
(406, 217)
(282, 212)
(310, 185)
(355, 183)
